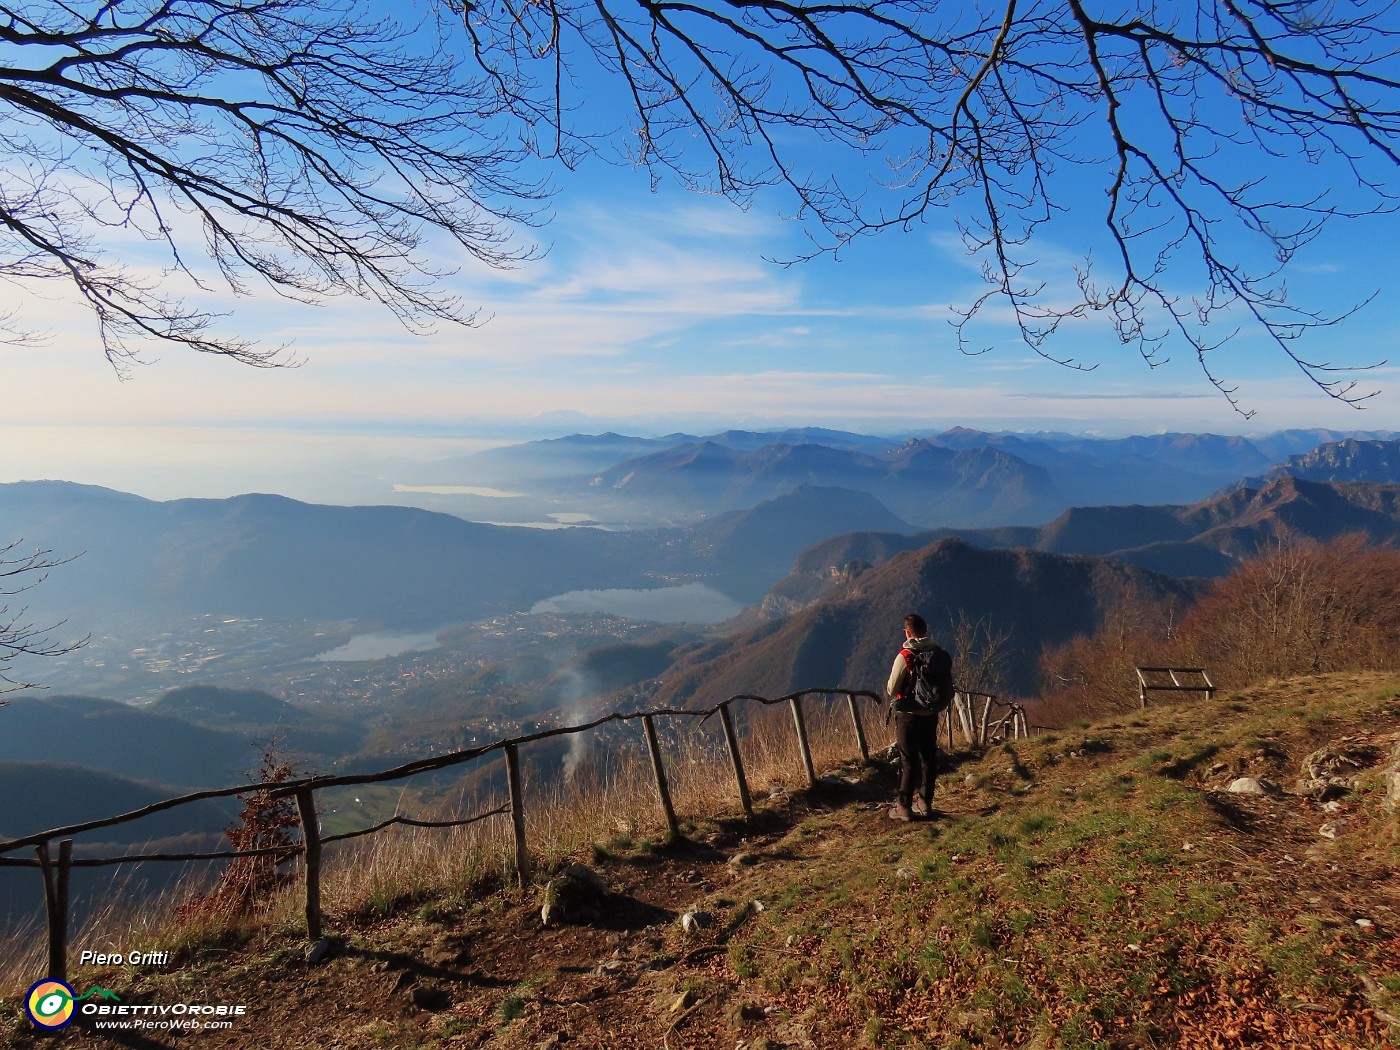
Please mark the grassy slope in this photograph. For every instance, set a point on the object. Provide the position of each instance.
(1093, 889)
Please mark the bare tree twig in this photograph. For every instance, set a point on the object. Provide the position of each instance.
(20, 636)
(304, 145)
(1220, 134)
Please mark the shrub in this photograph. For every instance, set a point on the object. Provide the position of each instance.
(251, 884)
(1301, 608)
(1091, 676)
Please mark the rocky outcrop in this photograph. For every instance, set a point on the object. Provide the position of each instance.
(1337, 769)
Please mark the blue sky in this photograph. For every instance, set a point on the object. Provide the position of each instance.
(651, 312)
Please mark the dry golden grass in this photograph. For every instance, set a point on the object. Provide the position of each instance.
(609, 802)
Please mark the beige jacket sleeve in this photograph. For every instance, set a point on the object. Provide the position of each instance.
(898, 673)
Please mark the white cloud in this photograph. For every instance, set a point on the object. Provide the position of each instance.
(649, 314)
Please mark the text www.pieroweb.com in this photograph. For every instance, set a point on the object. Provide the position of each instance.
(179, 1017)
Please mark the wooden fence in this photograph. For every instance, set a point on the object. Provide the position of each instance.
(997, 720)
(55, 870)
(1170, 680)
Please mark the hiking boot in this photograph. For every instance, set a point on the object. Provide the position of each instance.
(922, 810)
(903, 813)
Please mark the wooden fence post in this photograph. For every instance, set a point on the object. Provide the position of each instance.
(517, 813)
(56, 904)
(860, 729)
(963, 703)
(311, 854)
(664, 792)
(986, 718)
(802, 745)
(735, 760)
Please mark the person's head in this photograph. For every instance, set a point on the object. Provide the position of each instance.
(914, 626)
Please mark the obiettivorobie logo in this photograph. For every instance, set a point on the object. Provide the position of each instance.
(49, 1003)
(53, 1005)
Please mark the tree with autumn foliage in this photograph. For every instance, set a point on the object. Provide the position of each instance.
(250, 884)
(1300, 608)
(1094, 675)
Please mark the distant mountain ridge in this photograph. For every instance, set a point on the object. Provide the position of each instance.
(145, 564)
(42, 795)
(850, 635)
(293, 730)
(122, 740)
(1237, 524)
(267, 555)
(750, 548)
(1205, 539)
(1348, 460)
(920, 481)
(66, 760)
(999, 478)
(585, 454)
(1158, 468)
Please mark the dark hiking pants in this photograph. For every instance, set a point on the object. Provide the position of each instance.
(916, 737)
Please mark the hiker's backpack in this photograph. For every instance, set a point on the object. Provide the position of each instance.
(931, 672)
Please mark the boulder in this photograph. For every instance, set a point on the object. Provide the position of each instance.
(1252, 786)
(324, 949)
(1339, 768)
(572, 895)
(692, 921)
(742, 1013)
(1322, 789)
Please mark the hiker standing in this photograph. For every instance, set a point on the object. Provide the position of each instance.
(920, 686)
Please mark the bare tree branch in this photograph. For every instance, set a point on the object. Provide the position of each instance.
(314, 144)
(1225, 135)
(309, 144)
(19, 636)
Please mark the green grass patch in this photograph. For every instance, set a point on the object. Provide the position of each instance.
(1121, 787)
(982, 935)
(1157, 756)
(1035, 825)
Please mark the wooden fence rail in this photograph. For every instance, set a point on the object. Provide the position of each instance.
(1150, 680)
(56, 872)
